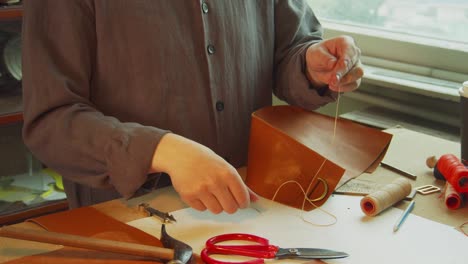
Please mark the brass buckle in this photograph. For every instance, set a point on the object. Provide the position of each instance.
(325, 190)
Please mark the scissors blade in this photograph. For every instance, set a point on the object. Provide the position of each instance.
(309, 253)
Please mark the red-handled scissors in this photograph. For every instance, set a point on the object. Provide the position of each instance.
(261, 250)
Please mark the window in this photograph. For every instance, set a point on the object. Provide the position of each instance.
(439, 19)
(422, 43)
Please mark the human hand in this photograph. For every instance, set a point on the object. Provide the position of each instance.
(335, 62)
(203, 179)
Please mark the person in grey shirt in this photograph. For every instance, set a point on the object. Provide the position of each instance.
(120, 95)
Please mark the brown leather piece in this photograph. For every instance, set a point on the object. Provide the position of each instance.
(288, 143)
(88, 221)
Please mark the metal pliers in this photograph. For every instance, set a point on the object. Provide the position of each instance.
(165, 217)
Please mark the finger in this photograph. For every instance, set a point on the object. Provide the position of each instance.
(211, 203)
(353, 75)
(351, 53)
(252, 195)
(349, 58)
(227, 201)
(197, 205)
(237, 189)
(349, 87)
(342, 68)
(351, 80)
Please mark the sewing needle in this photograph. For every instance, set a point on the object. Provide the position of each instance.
(403, 216)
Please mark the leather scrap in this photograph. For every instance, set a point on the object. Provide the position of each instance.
(88, 221)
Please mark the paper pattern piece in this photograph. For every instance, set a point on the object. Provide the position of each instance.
(366, 239)
(359, 187)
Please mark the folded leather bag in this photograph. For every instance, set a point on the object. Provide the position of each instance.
(290, 146)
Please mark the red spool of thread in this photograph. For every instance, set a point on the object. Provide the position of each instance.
(453, 199)
(454, 172)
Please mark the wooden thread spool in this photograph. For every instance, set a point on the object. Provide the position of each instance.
(374, 203)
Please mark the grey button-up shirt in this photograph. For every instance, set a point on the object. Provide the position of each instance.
(104, 80)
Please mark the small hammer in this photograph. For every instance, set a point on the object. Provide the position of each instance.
(178, 253)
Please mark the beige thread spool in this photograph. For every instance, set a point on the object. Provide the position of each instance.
(374, 203)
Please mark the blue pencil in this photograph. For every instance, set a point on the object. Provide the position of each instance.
(403, 216)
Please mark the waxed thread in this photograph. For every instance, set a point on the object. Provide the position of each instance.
(335, 219)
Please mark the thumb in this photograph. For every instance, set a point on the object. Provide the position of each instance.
(342, 67)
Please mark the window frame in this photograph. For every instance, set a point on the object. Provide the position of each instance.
(418, 56)
(445, 55)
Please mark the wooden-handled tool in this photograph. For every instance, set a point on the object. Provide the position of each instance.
(88, 243)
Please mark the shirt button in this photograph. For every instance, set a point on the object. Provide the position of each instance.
(204, 7)
(219, 106)
(210, 49)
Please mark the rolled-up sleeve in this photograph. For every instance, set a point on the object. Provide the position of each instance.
(62, 126)
(296, 28)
